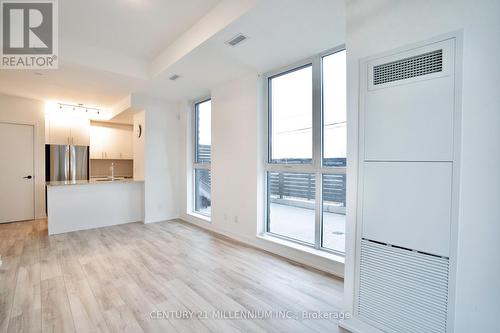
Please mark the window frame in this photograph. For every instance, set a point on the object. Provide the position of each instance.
(316, 166)
(198, 165)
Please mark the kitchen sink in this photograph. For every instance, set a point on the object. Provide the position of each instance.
(109, 179)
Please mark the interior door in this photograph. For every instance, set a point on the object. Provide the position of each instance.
(16, 173)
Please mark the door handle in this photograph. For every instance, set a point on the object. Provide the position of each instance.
(28, 177)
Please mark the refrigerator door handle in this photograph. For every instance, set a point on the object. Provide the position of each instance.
(72, 163)
(66, 163)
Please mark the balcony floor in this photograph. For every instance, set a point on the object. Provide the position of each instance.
(298, 223)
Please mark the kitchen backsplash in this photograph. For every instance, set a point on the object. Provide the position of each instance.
(100, 168)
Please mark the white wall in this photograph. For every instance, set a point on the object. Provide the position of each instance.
(377, 26)
(23, 110)
(234, 153)
(161, 158)
(237, 174)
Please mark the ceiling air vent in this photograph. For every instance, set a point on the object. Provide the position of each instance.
(236, 39)
(422, 64)
(174, 77)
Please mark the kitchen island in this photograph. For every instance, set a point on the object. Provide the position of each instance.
(88, 204)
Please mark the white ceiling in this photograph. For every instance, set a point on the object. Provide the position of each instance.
(280, 33)
(137, 28)
(71, 83)
(110, 49)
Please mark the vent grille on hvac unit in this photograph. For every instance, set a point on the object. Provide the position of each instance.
(422, 64)
(402, 290)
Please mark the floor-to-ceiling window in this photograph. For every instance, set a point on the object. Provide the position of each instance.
(306, 163)
(202, 157)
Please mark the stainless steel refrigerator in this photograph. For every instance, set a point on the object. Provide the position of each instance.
(66, 163)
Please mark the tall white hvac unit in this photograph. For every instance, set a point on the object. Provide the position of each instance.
(408, 188)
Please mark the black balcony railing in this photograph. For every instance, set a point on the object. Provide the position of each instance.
(289, 184)
(204, 154)
(302, 186)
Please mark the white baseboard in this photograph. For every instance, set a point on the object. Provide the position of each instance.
(163, 219)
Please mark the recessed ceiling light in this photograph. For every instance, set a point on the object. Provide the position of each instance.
(236, 39)
(174, 77)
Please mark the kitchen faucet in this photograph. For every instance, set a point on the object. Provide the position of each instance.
(112, 168)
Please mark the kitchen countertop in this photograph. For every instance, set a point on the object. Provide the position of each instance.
(91, 182)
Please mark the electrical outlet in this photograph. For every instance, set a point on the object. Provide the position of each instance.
(225, 216)
(1, 261)
(236, 219)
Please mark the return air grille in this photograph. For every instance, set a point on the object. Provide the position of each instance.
(402, 290)
(422, 64)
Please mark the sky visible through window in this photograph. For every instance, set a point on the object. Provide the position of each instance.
(334, 105)
(204, 123)
(291, 105)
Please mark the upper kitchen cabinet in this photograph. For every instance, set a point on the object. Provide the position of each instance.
(111, 141)
(57, 130)
(62, 129)
(96, 142)
(80, 132)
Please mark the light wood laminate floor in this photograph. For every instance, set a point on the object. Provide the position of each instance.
(115, 279)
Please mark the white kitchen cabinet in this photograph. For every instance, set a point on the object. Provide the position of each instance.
(59, 131)
(111, 141)
(65, 129)
(96, 139)
(80, 132)
(124, 143)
